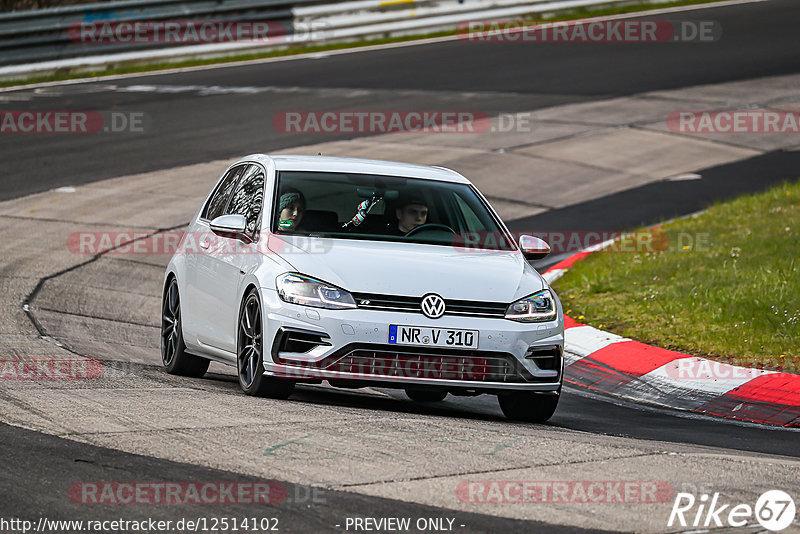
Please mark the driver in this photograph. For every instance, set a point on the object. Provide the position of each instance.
(412, 212)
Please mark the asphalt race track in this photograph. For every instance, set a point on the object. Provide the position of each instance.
(209, 115)
(72, 461)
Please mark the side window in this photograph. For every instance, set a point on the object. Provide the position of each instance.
(216, 206)
(248, 198)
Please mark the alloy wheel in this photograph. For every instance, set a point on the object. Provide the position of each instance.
(250, 344)
(170, 324)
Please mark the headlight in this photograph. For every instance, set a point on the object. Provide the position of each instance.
(535, 308)
(301, 289)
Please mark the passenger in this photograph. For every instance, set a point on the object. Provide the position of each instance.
(291, 207)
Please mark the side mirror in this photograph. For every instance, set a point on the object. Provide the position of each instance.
(533, 248)
(229, 224)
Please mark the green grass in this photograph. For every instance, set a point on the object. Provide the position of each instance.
(112, 70)
(733, 296)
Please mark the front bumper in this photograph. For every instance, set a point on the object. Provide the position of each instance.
(354, 347)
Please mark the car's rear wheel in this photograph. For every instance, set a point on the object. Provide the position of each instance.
(250, 354)
(426, 395)
(173, 349)
(527, 406)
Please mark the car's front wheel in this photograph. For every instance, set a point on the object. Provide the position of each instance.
(528, 407)
(250, 354)
(173, 349)
(426, 395)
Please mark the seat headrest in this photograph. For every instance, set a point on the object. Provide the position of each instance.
(320, 221)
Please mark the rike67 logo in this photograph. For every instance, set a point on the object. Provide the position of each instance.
(774, 510)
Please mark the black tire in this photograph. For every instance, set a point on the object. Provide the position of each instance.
(173, 349)
(528, 407)
(426, 395)
(250, 354)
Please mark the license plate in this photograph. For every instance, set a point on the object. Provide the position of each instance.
(433, 337)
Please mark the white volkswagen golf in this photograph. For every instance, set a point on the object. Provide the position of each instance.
(299, 269)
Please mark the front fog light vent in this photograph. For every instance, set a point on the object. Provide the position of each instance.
(301, 341)
(547, 358)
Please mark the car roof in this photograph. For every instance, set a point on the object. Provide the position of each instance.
(285, 162)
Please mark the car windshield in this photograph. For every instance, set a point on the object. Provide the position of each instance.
(385, 208)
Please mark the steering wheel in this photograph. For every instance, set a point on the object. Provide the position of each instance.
(429, 226)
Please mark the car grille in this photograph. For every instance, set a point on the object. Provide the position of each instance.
(413, 304)
(420, 363)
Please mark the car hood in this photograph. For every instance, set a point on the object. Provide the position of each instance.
(410, 269)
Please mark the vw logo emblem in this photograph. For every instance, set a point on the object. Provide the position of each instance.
(433, 305)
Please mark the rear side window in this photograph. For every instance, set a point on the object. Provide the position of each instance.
(219, 200)
(249, 197)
